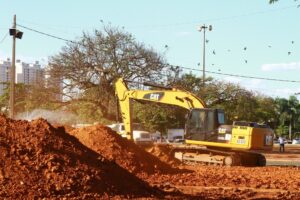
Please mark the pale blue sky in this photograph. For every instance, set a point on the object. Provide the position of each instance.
(236, 24)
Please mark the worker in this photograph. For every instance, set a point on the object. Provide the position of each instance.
(281, 144)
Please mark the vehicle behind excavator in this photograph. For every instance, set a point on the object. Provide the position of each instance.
(207, 138)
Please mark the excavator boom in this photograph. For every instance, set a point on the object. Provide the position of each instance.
(175, 97)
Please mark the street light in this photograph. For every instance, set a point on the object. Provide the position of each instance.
(15, 33)
(200, 28)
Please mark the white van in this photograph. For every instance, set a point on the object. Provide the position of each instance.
(139, 135)
(119, 128)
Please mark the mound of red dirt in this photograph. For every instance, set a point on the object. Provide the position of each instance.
(125, 153)
(164, 153)
(40, 161)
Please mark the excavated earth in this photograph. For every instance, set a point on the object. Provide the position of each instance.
(41, 161)
(206, 182)
(125, 153)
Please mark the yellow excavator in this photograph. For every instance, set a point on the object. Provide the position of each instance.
(207, 138)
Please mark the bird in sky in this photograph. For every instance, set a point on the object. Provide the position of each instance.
(245, 48)
(292, 42)
(289, 53)
(166, 46)
(269, 46)
(246, 61)
(198, 64)
(214, 52)
(206, 41)
(228, 50)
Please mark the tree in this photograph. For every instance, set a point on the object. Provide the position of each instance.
(90, 66)
(265, 111)
(230, 97)
(28, 98)
(238, 103)
(21, 91)
(288, 111)
(159, 117)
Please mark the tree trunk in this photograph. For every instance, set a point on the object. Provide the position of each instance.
(290, 130)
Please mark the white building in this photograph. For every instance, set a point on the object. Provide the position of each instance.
(55, 82)
(29, 74)
(4, 74)
(26, 73)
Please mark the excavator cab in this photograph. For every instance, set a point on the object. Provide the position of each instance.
(203, 124)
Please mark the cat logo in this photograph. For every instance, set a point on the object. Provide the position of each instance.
(154, 96)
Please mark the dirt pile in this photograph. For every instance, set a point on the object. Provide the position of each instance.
(38, 160)
(164, 153)
(124, 152)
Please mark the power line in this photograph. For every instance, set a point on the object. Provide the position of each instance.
(46, 34)
(211, 72)
(218, 19)
(4, 38)
(52, 25)
(180, 23)
(243, 76)
(54, 36)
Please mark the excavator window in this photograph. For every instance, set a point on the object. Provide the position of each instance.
(221, 116)
(202, 124)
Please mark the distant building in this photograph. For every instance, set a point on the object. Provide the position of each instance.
(26, 73)
(4, 74)
(29, 74)
(55, 82)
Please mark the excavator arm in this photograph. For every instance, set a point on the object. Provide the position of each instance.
(173, 96)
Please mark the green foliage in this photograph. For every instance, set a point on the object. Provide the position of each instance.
(87, 112)
(159, 117)
(238, 103)
(288, 112)
(282, 130)
(28, 98)
(20, 98)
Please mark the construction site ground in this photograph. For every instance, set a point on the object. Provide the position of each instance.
(291, 156)
(39, 161)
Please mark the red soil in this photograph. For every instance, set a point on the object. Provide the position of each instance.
(40, 161)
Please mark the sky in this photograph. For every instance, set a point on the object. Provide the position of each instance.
(249, 38)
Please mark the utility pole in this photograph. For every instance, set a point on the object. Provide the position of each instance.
(13, 74)
(15, 34)
(204, 41)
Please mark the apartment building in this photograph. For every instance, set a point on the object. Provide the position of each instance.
(27, 73)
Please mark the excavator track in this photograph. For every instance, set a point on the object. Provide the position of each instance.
(199, 155)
